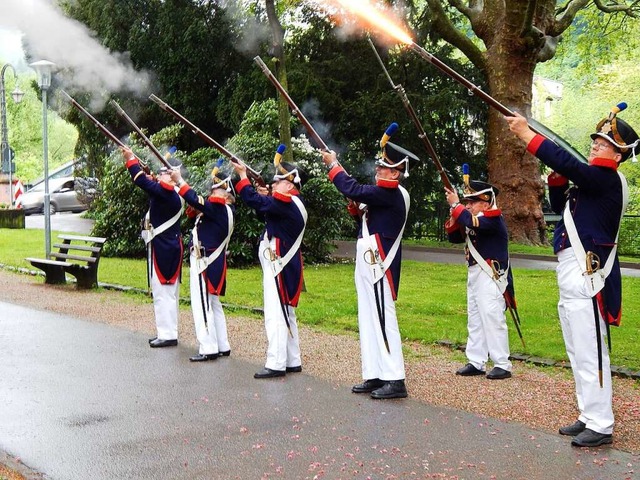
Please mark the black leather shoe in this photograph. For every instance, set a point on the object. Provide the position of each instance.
(224, 354)
(152, 339)
(157, 343)
(469, 370)
(498, 373)
(297, 369)
(367, 386)
(391, 389)
(573, 429)
(268, 373)
(203, 358)
(589, 438)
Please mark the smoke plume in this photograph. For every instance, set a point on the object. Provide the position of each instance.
(82, 63)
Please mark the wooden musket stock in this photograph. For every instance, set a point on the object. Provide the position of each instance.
(144, 138)
(422, 135)
(294, 108)
(93, 120)
(251, 173)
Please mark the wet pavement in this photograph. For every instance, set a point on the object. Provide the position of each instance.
(87, 400)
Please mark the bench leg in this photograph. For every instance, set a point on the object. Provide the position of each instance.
(86, 278)
(54, 275)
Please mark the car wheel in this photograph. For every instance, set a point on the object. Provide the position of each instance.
(52, 209)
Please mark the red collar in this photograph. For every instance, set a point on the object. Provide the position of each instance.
(492, 213)
(384, 183)
(285, 197)
(605, 162)
(213, 199)
(165, 185)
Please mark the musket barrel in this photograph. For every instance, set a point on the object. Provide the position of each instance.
(251, 173)
(101, 127)
(474, 89)
(144, 138)
(294, 108)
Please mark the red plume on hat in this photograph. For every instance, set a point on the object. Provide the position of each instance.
(618, 132)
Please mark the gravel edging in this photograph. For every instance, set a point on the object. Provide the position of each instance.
(541, 398)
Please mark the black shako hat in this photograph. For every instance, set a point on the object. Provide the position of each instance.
(218, 181)
(618, 132)
(288, 171)
(475, 190)
(392, 155)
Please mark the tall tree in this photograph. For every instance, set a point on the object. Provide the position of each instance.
(511, 38)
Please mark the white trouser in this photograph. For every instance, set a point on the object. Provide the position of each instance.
(575, 309)
(486, 322)
(283, 349)
(165, 307)
(212, 335)
(376, 361)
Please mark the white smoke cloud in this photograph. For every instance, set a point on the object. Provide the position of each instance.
(82, 63)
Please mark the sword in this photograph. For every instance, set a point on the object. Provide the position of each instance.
(379, 301)
(593, 264)
(509, 301)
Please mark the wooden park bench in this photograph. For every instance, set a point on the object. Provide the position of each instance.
(83, 265)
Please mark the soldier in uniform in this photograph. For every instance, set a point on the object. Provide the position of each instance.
(164, 246)
(382, 211)
(481, 225)
(214, 217)
(588, 270)
(285, 219)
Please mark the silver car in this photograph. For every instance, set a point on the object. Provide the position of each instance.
(62, 197)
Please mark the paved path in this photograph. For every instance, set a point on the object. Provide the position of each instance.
(85, 400)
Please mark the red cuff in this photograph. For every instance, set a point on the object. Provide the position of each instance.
(335, 171)
(556, 180)
(535, 143)
(353, 210)
(455, 213)
(183, 189)
(451, 225)
(241, 184)
(131, 162)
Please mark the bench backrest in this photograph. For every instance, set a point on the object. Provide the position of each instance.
(84, 249)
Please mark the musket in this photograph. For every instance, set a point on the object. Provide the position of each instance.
(473, 89)
(513, 310)
(294, 108)
(422, 135)
(101, 127)
(142, 136)
(251, 173)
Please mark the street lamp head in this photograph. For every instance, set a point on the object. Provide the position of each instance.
(17, 94)
(43, 69)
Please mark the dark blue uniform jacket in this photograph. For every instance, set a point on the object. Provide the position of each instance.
(386, 215)
(213, 229)
(164, 203)
(284, 222)
(595, 202)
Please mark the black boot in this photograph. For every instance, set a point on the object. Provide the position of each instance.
(573, 429)
(391, 389)
(367, 386)
(589, 438)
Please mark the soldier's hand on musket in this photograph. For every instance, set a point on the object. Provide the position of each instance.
(329, 158)
(452, 197)
(241, 169)
(176, 176)
(518, 125)
(127, 153)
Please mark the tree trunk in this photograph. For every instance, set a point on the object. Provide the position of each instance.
(514, 171)
(277, 44)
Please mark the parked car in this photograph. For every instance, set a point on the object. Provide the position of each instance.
(62, 197)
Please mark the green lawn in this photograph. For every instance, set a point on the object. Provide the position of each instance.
(431, 305)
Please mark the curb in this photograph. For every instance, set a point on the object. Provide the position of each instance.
(616, 371)
(16, 465)
(621, 372)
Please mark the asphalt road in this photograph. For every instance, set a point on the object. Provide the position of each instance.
(86, 400)
(63, 222)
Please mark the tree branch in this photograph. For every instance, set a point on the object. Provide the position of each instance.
(565, 17)
(443, 26)
(527, 23)
(630, 10)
